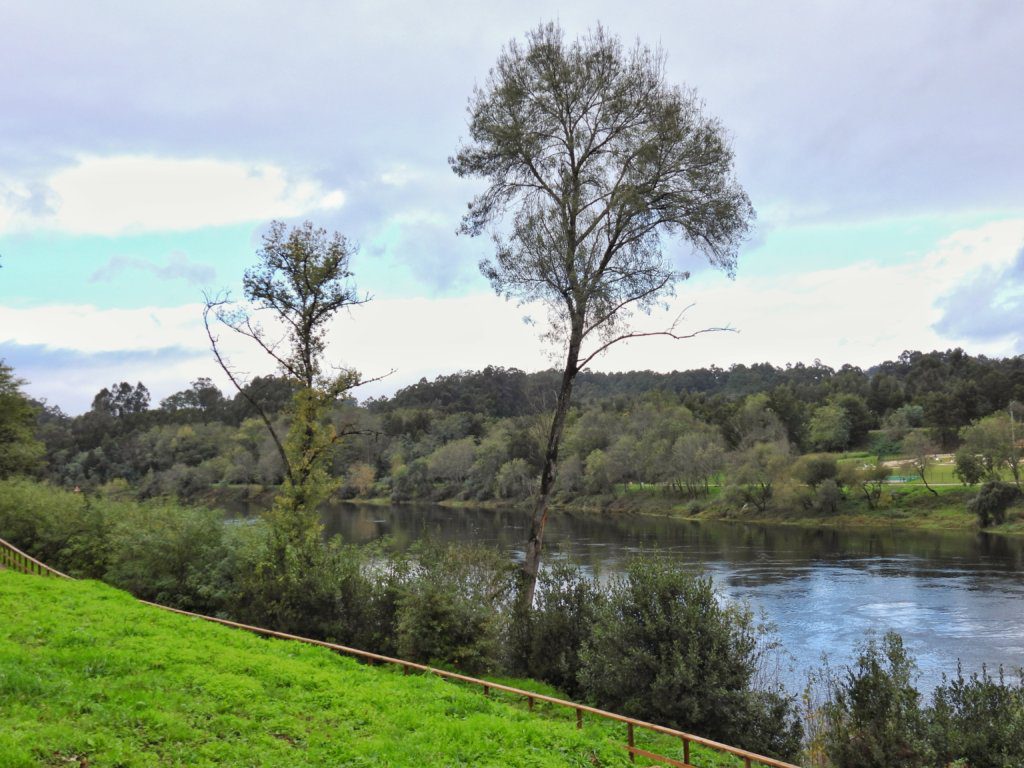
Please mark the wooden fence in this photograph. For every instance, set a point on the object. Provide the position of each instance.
(14, 558)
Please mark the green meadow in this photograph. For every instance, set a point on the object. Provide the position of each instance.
(91, 677)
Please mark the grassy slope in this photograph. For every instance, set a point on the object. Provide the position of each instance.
(87, 673)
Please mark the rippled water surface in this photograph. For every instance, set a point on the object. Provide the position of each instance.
(951, 595)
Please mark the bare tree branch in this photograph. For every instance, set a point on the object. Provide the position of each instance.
(210, 306)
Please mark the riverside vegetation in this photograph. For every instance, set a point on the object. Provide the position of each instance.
(658, 644)
(593, 161)
(757, 442)
(655, 644)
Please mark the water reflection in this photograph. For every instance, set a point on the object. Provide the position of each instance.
(951, 595)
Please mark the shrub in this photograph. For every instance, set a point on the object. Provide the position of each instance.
(665, 648)
(979, 720)
(410, 481)
(969, 467)
(827, 496)
(515, 480)
(815, 468)
(167, 554)
(451, 612)
(65, 530)
(302, 586)
(992, 501)
(872, 717)
(565, 607)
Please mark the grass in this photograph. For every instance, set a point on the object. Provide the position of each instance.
(91, 677)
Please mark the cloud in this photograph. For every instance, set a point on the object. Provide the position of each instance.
(178, 267)
(860, 314)
(127, 194)
(837, 109)
(987, 306)
(70, 378)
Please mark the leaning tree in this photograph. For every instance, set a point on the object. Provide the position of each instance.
(592, 160)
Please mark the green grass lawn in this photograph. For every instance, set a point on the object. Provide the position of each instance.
(88, 676)
(91, 677)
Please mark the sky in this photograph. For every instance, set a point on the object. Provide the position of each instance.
(145, 148)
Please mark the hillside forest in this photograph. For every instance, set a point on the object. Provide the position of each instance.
(750, 438)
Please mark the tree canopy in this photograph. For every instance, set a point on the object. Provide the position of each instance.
(591, 160)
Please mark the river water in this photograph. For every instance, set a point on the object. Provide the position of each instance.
(952, 596)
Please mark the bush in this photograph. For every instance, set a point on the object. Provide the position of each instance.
(665, 648)
(827, 496)
(815, 468)
(168, 554)
(411, 481)
(969, 467)
(992, 501)
(304, 587)
(872, 717)
(451, 612)
(979, 720)
(515, 480)
(565, 607)
(65, 530)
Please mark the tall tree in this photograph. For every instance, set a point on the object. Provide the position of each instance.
(302, 280)
(599, 159)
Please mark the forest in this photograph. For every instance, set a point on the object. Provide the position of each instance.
(751, 436)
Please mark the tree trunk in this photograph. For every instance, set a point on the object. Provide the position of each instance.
(922, 468)
(535, 543)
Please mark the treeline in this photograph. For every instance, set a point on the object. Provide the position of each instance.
(767, 436)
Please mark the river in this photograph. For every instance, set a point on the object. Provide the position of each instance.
(952, 596)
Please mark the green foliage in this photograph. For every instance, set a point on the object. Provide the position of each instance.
(516, 479)
(872, 716)
(756, 471)
(827, 496)
(167, 554)
(66, 530)
(866, 477)
(858, 415)
(20, 451)
(829, 428)
(308, 482)
(451, 613)
(970, 468)
(979, 720)
(992, 501)
(665, 648)
(562, 619)
(994, 440)
(411, 481)
(920, 450)
(815, 468)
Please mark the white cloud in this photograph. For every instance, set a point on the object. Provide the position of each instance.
(861, 314)
(139, 193)
(399, 175)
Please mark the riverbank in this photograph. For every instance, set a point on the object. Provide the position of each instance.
(903, 506)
